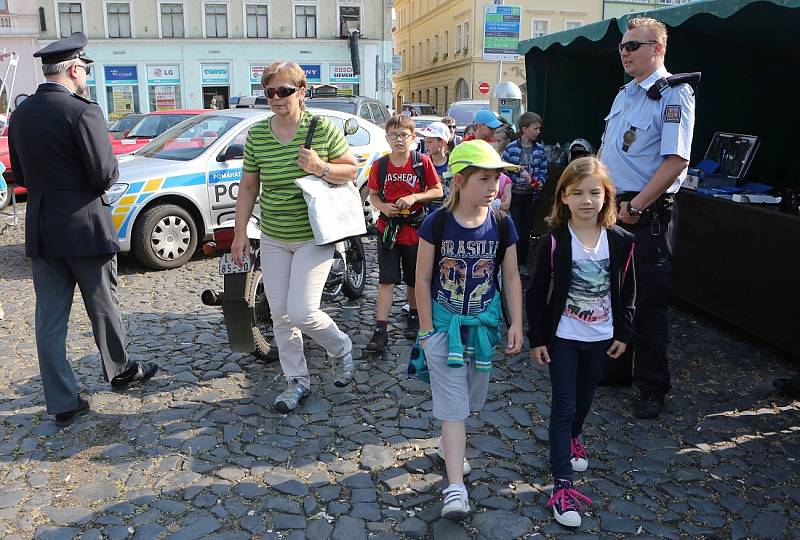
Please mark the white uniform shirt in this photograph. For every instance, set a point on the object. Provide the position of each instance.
(662, 127)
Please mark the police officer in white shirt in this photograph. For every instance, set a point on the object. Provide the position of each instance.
(646, 147)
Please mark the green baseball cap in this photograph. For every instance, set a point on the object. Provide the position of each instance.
(477, 153)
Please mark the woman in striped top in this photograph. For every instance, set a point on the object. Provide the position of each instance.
(292, 265)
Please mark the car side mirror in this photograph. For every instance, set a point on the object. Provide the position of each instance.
(234, 151)
(350, 126)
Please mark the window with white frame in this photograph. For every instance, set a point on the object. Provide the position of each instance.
(70, 18)
(446, 43)
(540, 27)
(569, 25)
(172, 21)
(349, 17)
(305, 21)
(119, 19)
(458, 38)
(257, 20)
(466, 35)
(216, 20)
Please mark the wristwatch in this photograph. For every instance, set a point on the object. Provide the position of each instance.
(326, 170)
(634, 211)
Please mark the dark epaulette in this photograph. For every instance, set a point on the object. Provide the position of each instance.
(657, 89)
(85, 99)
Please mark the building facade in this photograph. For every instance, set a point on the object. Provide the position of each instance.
(19, 33)
(438, 45)
(164, 54)
(620, 8)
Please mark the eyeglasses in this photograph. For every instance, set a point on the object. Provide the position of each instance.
(398, 136)
(452, 127)
(87, 69)
(283, 91)
(631, 46)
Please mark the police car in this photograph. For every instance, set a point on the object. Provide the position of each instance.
(172, 192)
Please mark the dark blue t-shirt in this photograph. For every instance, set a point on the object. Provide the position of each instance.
(466, 278)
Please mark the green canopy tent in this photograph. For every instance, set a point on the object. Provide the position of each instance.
(748, 52)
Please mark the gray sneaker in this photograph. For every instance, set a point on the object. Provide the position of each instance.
(343, 369)
(289, 399)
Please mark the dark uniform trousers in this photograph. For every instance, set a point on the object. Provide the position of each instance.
(646, 355)
(54, 281)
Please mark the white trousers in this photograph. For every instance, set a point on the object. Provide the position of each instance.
(294, 275)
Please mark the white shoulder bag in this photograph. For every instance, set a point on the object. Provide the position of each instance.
(334, 210)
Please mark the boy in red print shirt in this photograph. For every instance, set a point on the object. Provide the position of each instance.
(400, 197)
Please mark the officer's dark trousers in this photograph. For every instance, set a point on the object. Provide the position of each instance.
(647, 353)
(522, 213)
(54, 281)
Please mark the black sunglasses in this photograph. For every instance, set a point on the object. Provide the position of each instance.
(283, 91)
(631, 46)
(87, 69)
(452, 127)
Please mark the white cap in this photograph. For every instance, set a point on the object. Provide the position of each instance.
(437, 130)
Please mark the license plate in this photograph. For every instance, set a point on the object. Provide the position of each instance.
(228, 266)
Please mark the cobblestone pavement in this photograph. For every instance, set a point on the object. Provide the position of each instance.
(199, 453)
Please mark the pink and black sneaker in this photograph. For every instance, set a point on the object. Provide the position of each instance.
(567, 503)
(579, 461)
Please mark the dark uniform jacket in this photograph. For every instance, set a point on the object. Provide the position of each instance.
(60, 151)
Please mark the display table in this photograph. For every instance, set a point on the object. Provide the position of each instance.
(740, 263)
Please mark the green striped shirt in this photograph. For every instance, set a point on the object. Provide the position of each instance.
(284, 213)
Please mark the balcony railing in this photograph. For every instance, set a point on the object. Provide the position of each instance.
(20, 25)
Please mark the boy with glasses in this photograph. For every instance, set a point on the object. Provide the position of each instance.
(400, 194)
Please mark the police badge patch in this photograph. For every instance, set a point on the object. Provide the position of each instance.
(672, 113)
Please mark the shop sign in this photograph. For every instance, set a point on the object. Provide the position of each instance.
(121, 75)
(256, 70)
(163, 75)
(215, 74)
(342, 73)
(344, 90)
(121, 101)
(165, 98)
(313, 72)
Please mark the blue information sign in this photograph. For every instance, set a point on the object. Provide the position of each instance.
(121, 74)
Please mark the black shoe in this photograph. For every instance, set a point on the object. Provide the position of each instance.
(648, 405)
(380, 338)
(412, 327)
(66, 418)
(138, 373)
(615, 383)
(788, 386)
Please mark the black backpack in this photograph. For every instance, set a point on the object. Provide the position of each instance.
(419, 171)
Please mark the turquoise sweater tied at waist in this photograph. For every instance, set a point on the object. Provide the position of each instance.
(484, 333)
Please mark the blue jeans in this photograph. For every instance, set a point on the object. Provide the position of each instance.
(575, 368)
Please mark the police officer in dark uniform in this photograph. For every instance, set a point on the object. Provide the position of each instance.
(646, 147)
(60, 151)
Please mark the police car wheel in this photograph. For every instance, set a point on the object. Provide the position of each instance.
(5, 197)
(164, 237)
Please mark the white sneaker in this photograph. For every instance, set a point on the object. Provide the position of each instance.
(440, 453)
(579, 459)
(456, 503)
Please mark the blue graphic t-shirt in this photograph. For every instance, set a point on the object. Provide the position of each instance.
(466, 278)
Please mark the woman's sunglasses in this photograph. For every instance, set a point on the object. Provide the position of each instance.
(631, 46)
(283, 91)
